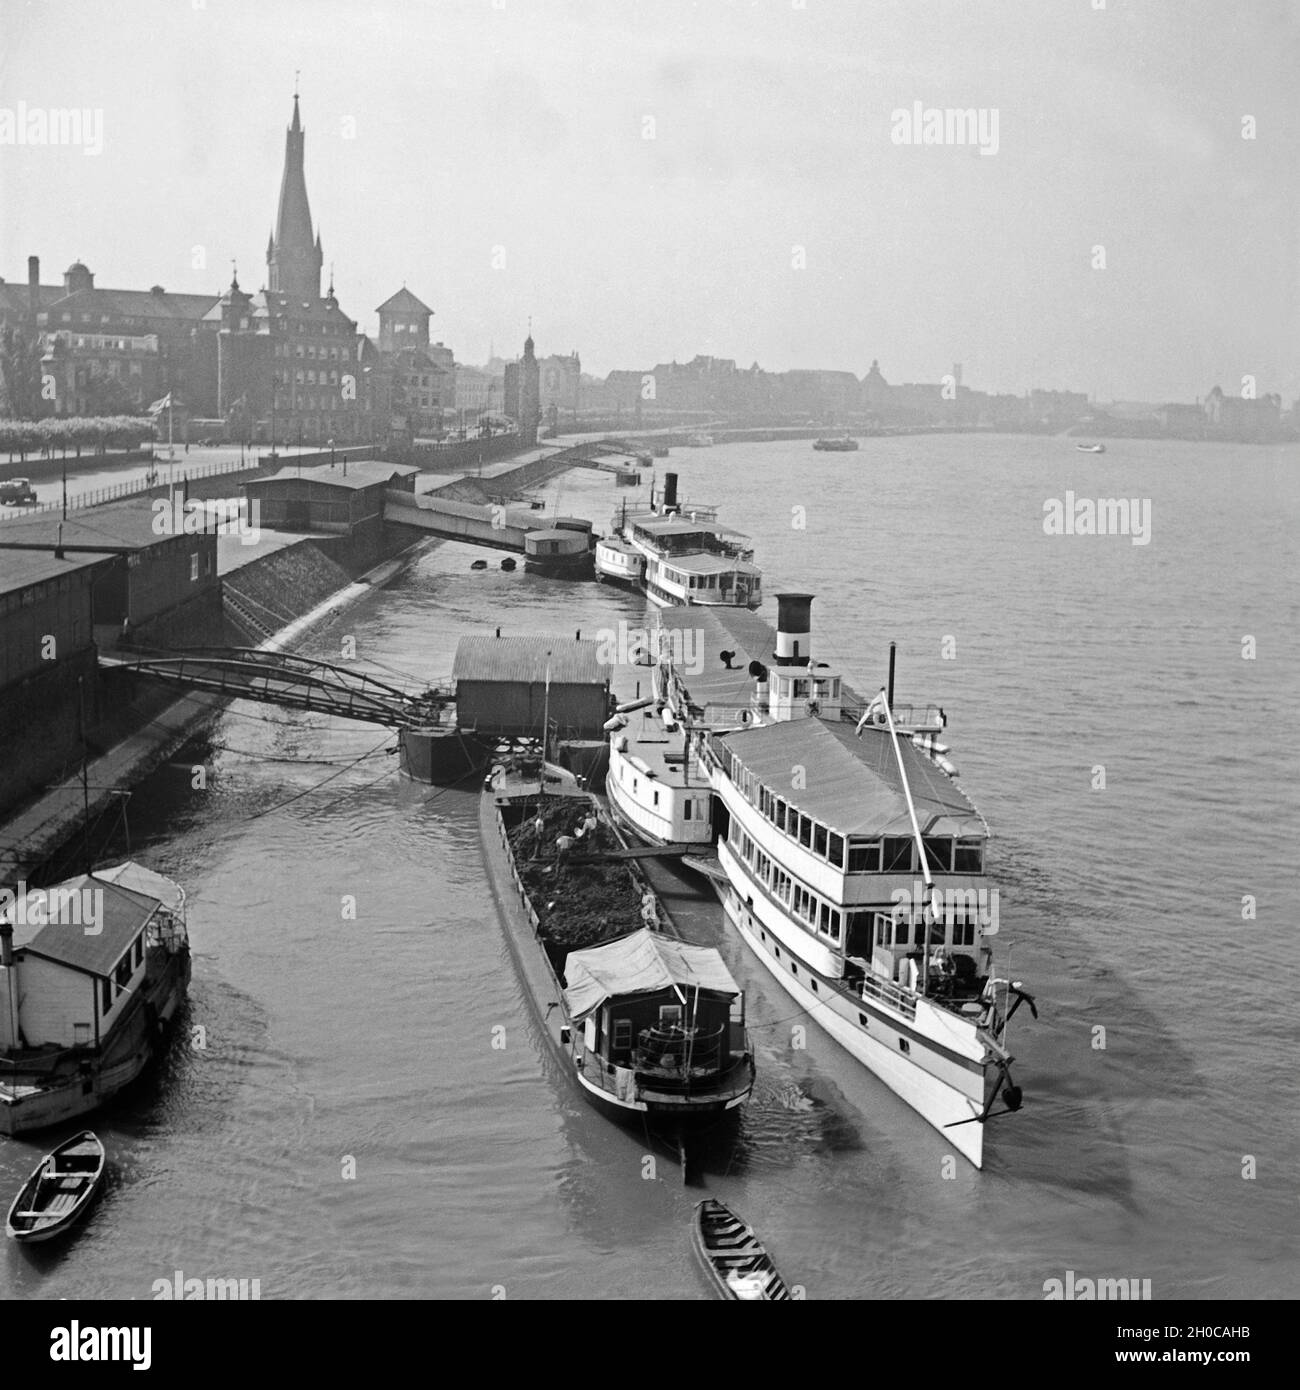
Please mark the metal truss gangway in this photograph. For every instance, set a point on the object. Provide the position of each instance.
(293, 682)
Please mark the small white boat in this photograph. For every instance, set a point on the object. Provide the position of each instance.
(1091, 448)
(59, 1191)
(699, 440)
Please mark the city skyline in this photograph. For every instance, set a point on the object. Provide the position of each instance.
(783, 211)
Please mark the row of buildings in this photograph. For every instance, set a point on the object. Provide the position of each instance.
(283, 363)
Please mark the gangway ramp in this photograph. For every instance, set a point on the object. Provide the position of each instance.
(490, 524)
(293, 682)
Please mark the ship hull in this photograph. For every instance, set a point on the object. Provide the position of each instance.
(876, 1045)
(135, 1042)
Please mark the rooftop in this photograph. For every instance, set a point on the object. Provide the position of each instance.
(354, 474)
(122, 914)
(526, 660)
(853, 783)
(117, 527)
(20, 569)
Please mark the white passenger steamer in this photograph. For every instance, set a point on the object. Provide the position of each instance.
(848, 860)
(677, 553)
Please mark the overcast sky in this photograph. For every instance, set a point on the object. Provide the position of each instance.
(440, 131)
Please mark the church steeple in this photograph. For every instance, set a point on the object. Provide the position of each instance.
(293, 259)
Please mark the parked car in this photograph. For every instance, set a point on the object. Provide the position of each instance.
(17, 492)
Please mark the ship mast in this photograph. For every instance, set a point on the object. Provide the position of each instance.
(916, 834)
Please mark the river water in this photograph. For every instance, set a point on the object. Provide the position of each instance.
(338, 1122)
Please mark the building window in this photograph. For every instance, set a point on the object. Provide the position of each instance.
(194, 566)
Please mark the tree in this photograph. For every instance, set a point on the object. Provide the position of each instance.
(20, 374)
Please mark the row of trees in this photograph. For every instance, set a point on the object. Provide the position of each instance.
(73, 432)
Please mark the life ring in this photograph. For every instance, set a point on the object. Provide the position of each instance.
(880, 717)
(814, 707)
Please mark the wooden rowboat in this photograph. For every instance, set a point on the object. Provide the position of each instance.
(59, 1190)
(733, 1256)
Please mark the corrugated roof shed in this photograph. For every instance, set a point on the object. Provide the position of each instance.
(525, 660)
(853, 784)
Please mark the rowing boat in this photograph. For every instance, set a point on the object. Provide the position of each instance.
(734, 1258)
(59, 1190)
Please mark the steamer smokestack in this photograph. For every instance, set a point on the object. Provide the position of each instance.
(670, 491)
(34, 284)
(793, 629)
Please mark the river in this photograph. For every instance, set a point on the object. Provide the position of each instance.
(338, 1123)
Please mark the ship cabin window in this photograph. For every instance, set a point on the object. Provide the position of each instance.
(819, 840)
(835, 850)
(122, 975)
(938, 853)
(139, 951)
(656, 798)
(622, 1035)
(805, 831)
(801, 689)
(105, 995)
(864, 857)
(963, 933)
(969, 856)
(897, 854)
(670, 1016)
(780, 814)
(686, 808)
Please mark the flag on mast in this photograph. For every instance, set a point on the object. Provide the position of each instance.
(158, 407)
(877, 706)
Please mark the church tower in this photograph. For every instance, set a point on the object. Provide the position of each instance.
(530, 396)
(293, 259)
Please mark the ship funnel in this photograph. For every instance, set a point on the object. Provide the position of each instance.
(6, 943)
(793, 629)
(670, 492)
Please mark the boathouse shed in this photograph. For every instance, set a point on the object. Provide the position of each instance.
(501, 686)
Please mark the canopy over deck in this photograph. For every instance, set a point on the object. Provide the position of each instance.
(642, 963)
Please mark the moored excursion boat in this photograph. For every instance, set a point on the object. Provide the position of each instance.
(841, 444)
(677, 553)
(59, 1191)
(1091, 448)
(650, 1027)
(861, 885)
(91, 972)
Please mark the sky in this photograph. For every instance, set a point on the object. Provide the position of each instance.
(648, 181)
